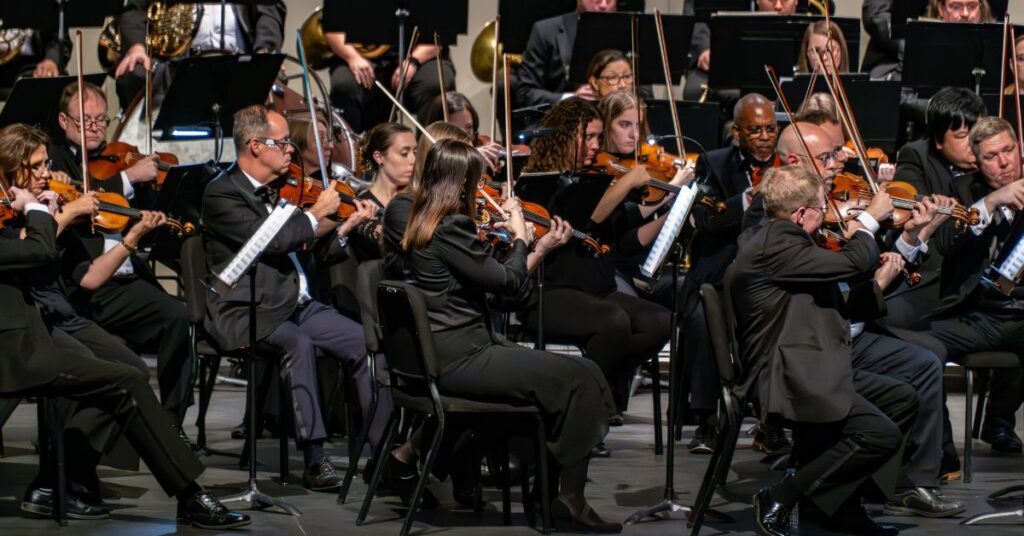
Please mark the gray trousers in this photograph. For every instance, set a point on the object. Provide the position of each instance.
(922, 369)
(318, 327)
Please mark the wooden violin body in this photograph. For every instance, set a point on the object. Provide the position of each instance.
(852, 194)
(118, 156)
(114, 213)
(303, 191)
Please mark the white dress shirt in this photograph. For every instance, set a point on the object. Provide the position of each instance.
(208, 34)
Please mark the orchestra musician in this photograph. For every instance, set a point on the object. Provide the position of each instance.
(234, 206)
(300, 131)
(609, 71)
(247, 28)
(817, 41)
(43, 54)
(35, 366)
(389, 151)
(1018, 63)
(462, 114)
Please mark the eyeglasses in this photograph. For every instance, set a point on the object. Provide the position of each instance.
(41, 167)
(963, 6)
(757, 131)
(823, 209)
(831, 156)
(282, 143)
(91, 122)
(612, 80)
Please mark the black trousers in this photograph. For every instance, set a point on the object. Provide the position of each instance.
(922, 370)
(118, 392)
(617, 331)
(977, 331)
(364, 108)
(150, 320)
(835, 459)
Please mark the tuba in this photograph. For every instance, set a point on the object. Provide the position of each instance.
(481, 56)
(11, 42)
(318, 54)
(171, 29)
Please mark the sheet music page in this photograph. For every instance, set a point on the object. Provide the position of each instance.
(254, 246)
(673, 224)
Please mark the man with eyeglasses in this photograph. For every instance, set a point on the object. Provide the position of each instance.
(288, 317)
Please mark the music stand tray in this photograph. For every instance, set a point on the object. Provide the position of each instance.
(448, 18)
(875, 105)
(600, 31)
(34, 101)
(701, 121)
(939, 54)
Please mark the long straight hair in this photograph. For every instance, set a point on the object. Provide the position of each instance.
(451, 173)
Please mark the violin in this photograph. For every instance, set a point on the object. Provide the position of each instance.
(6, 212)
(118, 156)
(851, 195)
(657, 189)
(533, 213)
(833, 241)
(302, 191)
(517, 149)
(114, 211)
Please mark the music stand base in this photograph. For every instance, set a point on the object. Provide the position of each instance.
(1011, 492)
(1010, 517)
(261, 501)
(666, 506)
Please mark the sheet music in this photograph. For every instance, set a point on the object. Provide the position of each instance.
(1011, 267)
(673, 224)
(252, 249)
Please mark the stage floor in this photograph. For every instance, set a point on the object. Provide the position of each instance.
(620, 485)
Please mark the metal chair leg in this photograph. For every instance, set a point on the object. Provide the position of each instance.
(428, 464)
(506, 483)
(542, 475)
(356, 447)
(968, 420)
(659, 442)
(378, 469)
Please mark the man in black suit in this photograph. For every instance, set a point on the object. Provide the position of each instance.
(288, 318)
(543, 78)
(31, 365)
(731, 174)
(247, 28)
(43, 54)
(795, 337)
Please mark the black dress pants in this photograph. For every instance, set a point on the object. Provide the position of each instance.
(364, 108)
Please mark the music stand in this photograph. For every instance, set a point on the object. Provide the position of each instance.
(206, 91)
(447, 18)
(902, 12)
(942, 54)
(46, 14)
(182, 191)
(33, 101)
(600, 31)
(701, 122)
(876, 105)
(745, 43)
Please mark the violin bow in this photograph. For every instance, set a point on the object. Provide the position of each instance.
(405, 68)
(440, 77)
(81, 112)
(676, 126)
(149, 97)
(508, 127)
(635, 65)
(494, 80)
(838, 92)
(1016, 90)
(312, 109)
(1007, 45)
(409, 116)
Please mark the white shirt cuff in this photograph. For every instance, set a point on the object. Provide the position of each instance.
(312, 220)
(984, 218)
(566, 96)
(910, 252)
(129, 190)
(29, 207)
(868, 221)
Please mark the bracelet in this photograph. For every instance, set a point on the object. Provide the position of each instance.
(416, 62)
(131, 249)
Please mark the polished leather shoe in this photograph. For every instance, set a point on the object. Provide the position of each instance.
(39, 502)
(601, 450)
(703, 441)
(1001, 438)
(853, 519)
(401, 478)
(771, 439)
(321, 476)
(772, 517)
(588, 521)
(204, 511)
(91, 494)
(922, 502)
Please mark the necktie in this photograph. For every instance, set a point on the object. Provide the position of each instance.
(267, 195)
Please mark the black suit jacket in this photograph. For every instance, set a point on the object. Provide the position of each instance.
(544, 75)
(263, 24)
(231, 215)
(793, 323)
(714, 245)
(22, 331)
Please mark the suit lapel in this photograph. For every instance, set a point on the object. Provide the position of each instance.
(566, 36)
(242, 183)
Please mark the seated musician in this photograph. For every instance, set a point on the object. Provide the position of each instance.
(353, 74)
(794, 335)
(820, 110)
(543, 78)
(462, 114)
(300, 132)
(817, 42)
(66, 155)
(454, 269)
(629, 331)
(960, 10)
(43, 54)
(964, 315)
(106, 392)
(1017, 62)
(288, 318)
(247, 28)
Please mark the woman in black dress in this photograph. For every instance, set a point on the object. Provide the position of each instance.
(456, 271)
(389, 152)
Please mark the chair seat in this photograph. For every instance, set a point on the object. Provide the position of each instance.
(990, 360)
(459, 405)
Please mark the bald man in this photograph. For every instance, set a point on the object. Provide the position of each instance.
(826, 153)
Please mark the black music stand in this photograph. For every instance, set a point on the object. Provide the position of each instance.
(182, 190)
(700, 120)
(744, 44)
(903, 11)
(206, 92)
(447, 18)
(941, 54)
(46, 14)
(876, 105)
(600, 31)
(33, 101)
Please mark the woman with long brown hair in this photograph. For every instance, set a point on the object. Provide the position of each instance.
(456, 271)
(818, 40)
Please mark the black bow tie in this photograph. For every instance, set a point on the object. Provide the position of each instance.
(266, 194)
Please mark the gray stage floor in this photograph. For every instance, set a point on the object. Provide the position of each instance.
(620, 485)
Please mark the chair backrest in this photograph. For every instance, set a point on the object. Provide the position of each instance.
(720, 324)
(368, 275)
(342, 277)
(405, 338)
(193, 275)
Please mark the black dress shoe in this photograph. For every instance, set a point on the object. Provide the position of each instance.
(617, 420)
(771, 439)
(601, 450)
(39, 501)
(588, 521)
(401, 477)
(922, 502)
(853, 519)
(321, 476)
(91, 494)
(204, 511)
(772, 517)
(703, 441)
(1001, 438)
